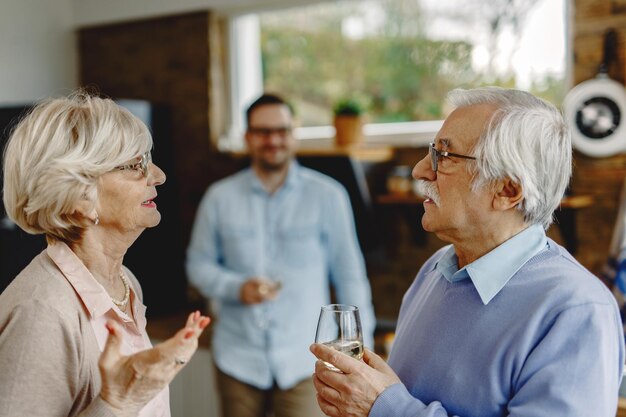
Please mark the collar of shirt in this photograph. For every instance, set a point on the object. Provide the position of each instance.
(89, 290)
(492, 271)
(292, 179)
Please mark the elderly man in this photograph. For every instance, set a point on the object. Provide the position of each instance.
(503, 321)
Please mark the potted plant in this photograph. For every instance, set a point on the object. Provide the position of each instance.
(348, 122)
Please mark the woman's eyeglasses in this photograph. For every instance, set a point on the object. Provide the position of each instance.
(142, 165)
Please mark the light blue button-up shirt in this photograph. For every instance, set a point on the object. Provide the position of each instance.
(524, 331)
(302, 235)
(491, 272)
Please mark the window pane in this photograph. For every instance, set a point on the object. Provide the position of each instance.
(399, 57)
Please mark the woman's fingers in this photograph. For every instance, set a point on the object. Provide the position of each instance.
(198, 326)
(184, 342)
(196, 321)
(129, 382)
(190, 320)
(193, 318)
(157, 361)
(111, 353)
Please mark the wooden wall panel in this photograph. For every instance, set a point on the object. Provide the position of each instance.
(600, 177)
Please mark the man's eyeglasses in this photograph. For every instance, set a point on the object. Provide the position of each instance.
(436, 156)
(141, 166)
(266, 132)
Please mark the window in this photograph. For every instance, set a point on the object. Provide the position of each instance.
(397, 57)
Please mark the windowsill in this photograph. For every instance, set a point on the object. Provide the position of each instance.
(326, 147)
(318, 138)
(412, 134)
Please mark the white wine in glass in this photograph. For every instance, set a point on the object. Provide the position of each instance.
(339, 327)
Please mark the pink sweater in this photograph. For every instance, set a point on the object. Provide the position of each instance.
(48, 349)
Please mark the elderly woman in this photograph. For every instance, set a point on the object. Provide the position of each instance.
(79, 171)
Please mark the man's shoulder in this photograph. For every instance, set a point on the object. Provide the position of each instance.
(230, 183)
(320, 181)
(557, 259)
(558, 272)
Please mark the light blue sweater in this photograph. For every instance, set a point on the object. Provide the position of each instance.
(534, 335)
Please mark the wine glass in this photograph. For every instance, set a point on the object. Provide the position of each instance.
(339, 327)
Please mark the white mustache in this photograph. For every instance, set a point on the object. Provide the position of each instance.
(428, 189)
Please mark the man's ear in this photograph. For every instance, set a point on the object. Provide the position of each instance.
(507, 195)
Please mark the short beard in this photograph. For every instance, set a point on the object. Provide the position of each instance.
(428, 189)
(273, 166)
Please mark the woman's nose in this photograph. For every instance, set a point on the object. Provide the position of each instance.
(423, 170)
(156, 176)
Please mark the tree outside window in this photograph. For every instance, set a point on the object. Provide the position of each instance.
(397, 57)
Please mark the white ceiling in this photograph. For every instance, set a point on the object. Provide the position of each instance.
(94, 12)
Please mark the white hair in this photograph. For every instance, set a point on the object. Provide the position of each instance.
(527, 141)
(55, 156)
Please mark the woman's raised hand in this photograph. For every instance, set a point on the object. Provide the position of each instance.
(130, 382)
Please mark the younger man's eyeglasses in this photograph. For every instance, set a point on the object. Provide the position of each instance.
(266, 132)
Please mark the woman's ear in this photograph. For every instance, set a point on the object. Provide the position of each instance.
(508, 194)
(85, 209)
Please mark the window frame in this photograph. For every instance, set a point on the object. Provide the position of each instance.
(245, 52)
(244, 41)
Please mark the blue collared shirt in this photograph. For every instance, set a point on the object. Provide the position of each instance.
(531, 333)
(491, 272)
(303, 235)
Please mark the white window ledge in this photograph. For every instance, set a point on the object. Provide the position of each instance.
(409, 134)
(404, 134)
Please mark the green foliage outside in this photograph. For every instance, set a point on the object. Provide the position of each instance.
(397, 73)
(550, 87)
(398, 79)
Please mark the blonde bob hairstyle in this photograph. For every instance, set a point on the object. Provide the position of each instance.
(57, 153)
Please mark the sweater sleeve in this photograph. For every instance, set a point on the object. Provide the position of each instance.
(97, 408)
(396, 401)
(41, 360)
(575, 370)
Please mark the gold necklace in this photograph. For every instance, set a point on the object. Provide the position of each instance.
(121, 304)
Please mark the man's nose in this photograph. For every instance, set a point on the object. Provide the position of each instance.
(423, 170)
(274, 138)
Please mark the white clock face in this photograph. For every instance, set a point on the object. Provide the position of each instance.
(595, 110)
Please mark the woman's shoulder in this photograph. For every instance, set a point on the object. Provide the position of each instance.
(40, 283)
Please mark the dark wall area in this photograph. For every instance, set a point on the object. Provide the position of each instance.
(17, 248)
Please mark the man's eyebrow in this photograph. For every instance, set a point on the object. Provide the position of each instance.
(445, 142)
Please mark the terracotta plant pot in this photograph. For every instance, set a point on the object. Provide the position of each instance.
(348, 130)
